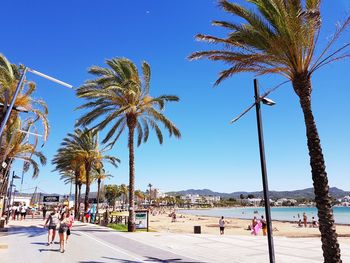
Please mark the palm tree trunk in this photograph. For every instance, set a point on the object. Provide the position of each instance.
(131, 221)
(87, 189)
(79, 196)
(330, 245)
(75, 199)
(76, 179)
(98, 194)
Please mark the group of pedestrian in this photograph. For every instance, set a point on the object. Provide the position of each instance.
(19, 212)
(60, 219)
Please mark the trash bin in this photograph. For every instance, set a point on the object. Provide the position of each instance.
(2, 222)
(197, 229)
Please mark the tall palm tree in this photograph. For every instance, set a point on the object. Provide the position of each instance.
(281, 37)
(83, 144)
(67, 163)
(99, 175)
(121, 95)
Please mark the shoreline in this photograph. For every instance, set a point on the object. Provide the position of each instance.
(185, 223)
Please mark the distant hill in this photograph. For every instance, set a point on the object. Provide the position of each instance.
(304, 193)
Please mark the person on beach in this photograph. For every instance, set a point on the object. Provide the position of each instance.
(173, 217)
(263, 225)
(52, 222)
(254, 222)
(222, 225)
(300, 224)
(62, 230)
(305, 219)
(313, 222)
(256, 226)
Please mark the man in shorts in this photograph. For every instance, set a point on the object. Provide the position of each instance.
(222, 225)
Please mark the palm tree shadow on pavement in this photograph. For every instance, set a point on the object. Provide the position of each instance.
(30, 231)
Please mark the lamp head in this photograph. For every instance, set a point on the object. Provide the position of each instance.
(268, 101)
(16, 177)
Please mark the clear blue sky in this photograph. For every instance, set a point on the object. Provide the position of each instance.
(64, 38)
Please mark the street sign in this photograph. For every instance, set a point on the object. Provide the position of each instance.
(141, 219)
(51, 198)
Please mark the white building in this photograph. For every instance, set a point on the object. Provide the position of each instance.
(254, 201)
(212, 199)
(20, 199)
(199, 199)
(346, 199)
(286, 201)
(191, 199)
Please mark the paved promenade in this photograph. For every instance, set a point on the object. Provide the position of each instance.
(26, 242)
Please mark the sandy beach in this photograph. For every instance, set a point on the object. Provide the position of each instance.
(209, 225)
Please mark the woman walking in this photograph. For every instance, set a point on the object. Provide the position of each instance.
(52, 221)
(62, 230)
(71, 221)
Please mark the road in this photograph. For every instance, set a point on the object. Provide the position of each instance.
(25, 241)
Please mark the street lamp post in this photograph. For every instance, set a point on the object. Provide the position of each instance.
(18, 88)
(269, 102)
(266, 101)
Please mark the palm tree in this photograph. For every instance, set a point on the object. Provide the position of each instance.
(9, 77)
(67, 163)
(281, 37)
(122, 96)
(100, 175)
(139, 197)
(83, 144)
(37, 109)
(15, 145)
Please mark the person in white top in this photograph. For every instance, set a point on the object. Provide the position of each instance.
(23, 211)
(222, 225)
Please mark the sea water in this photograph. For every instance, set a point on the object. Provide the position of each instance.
(341, 214)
